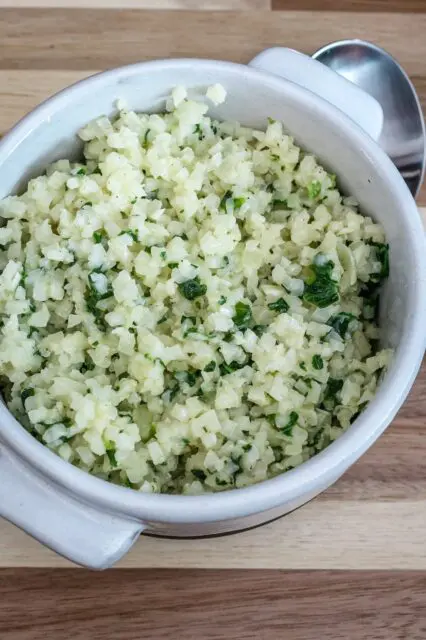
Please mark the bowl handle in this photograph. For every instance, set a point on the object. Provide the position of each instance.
(325, 83)
(80, 533)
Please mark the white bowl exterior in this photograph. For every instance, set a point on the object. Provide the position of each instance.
(363, 170)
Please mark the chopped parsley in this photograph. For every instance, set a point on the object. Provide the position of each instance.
(238, 203)
(191, 319)
(222, 300)
(287, 429)
(259, 329)
(23, 279)
(92, 297)
(341, 322)
(88, 364)
(320, 288)
(224, 200)
(243, 315)
(111, 457)
(317, 362)
(199, 474)
(279, 305)
(145, 142)
(334, 385)
(210, 367)
(382, 255)
(132, 233)
(279, 205)
(314, 189)
(225, 368)
(191, 289)
(27, 393)
(199, 132)
(99, 236)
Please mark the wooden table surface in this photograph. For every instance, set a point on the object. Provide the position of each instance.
(351, 564)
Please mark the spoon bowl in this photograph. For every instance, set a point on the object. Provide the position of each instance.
(380, 75)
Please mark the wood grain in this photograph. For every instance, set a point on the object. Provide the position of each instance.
(321, 535)
(367, 6)
(207, 5)
(69, 39)
(212, 605)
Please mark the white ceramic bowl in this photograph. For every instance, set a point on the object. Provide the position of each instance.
(93, 522)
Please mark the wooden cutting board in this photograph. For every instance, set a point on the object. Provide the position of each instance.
(366, 533)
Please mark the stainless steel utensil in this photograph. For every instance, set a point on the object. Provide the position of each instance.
(380, 75)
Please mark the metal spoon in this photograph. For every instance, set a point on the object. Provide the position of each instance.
(380, 75)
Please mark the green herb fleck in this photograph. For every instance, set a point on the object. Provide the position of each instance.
(163, 319)
(259, 329)
(111, 457)
(222, 300)
(189, 331)
(99, 236)
(88, 364)
(192, 289)
(27, 393)
(279, 305)
(243, 315)
(225, 198)
(314, 189)
(225, 368)
(210, 367)
(199, 131)
(340, 323)
(92, 297)
(279, 205)
(173, 265)
(320, 288)
(132, 233)
(382, 255)
(163, 255)
(199, 474)
(81, 172)
(287, 429)
(333, 387)
(23, 279)
(317, 362)
(238, 203)
(145, 142)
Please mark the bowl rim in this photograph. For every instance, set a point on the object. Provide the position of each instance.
(319, 471)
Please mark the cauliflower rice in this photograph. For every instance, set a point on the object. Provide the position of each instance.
(191, 309)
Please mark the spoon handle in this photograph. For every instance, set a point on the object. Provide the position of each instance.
(327, 84)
